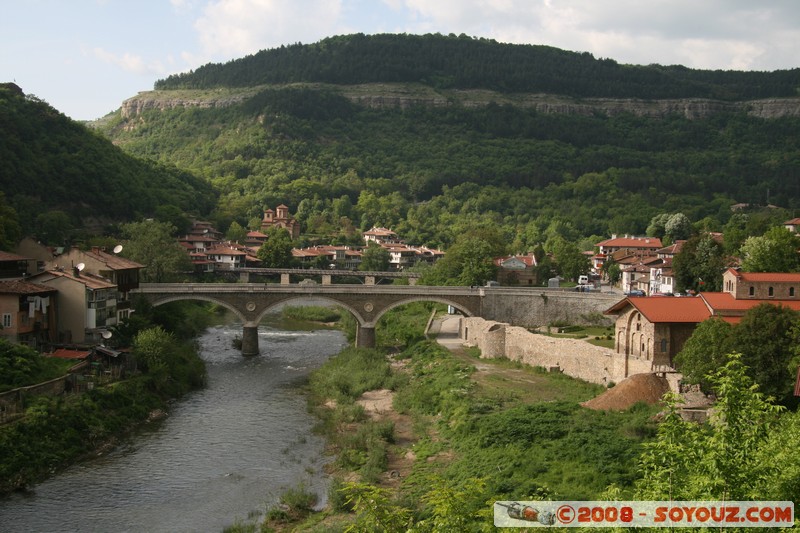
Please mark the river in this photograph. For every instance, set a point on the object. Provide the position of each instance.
(223, 454)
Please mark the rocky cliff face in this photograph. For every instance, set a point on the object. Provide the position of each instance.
(387, 96)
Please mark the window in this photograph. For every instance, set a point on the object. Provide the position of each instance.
(663, 345)
(771, 291)
(791, 292)
(6, 320)
(752, 290)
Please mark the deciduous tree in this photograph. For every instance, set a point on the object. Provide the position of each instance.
(276, 252)
(152, 244)
(775, 251)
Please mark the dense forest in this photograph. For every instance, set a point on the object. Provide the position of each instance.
(56, 172)
(466, 63)
(430, 172)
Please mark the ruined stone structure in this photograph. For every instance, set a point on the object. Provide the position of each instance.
(574, 357)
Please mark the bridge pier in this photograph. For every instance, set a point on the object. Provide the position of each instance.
(250, 340)
(365, 337)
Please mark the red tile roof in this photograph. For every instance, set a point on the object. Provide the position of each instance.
(777, 277)
(666, 309)
(8, 256)
(63, 353)
(24, 287)
(112, 261)
(631, 242)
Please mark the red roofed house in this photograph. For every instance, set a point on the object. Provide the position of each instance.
(227, 257)
(28, 312)
(630, 245)
(792, 225)
(516, 270)
(656, 328)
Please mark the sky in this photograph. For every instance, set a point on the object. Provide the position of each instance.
(85, 57)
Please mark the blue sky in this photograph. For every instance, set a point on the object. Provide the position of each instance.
(84, 57)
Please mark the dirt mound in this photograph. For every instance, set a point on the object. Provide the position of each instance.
(647, 388)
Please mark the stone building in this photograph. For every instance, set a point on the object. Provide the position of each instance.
(282, 219)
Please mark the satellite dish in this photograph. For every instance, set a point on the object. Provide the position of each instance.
(106, 334)
(80, 267)
(117, 248)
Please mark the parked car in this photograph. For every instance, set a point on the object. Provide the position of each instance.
(635, 292)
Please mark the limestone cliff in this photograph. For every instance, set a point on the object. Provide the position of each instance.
(403, 96)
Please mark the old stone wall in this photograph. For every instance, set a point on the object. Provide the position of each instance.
(574, 357)
(542, 307)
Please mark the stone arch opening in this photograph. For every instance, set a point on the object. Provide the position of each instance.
(458, 307)
(176, 298)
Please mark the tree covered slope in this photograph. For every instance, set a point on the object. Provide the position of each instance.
(49, 162)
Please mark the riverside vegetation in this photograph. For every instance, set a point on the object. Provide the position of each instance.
(58, 431)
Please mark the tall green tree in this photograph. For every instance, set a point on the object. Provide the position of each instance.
(705, 351)
(570, 261)
(767, 338)
(700, 264)
(54, 227)
(276, 252)
(153, 244)
(374, 258)
(775, 251)
(236, 233)
(10, 230)
(470, 261)
(678, 227)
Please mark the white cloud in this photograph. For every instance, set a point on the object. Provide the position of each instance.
(232, 28)
(129, 62)
(734, 34)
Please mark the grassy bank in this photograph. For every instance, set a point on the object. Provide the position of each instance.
(460, 433)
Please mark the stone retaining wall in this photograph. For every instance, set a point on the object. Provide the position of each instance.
(576, 358)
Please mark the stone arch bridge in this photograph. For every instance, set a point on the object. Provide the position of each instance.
(367, 303)
(523, 306)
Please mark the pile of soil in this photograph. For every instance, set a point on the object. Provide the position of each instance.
(648, 388)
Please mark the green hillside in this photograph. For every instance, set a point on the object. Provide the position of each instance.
(50, 163)
(337, 131)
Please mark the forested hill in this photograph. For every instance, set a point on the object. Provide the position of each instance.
(55, 171)
(450, 62)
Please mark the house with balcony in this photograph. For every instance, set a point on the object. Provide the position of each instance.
(227, 257)
(28, 312)
(87, 304)
(122, 272)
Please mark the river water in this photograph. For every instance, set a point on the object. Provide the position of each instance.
(223, 454)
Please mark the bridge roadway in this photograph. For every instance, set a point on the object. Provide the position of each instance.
(367, 303)
(326, 275)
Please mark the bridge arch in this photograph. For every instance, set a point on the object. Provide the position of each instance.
(169, 299)
(338, 303)
(460, 308)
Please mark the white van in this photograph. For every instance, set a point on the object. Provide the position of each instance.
(583, 280)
